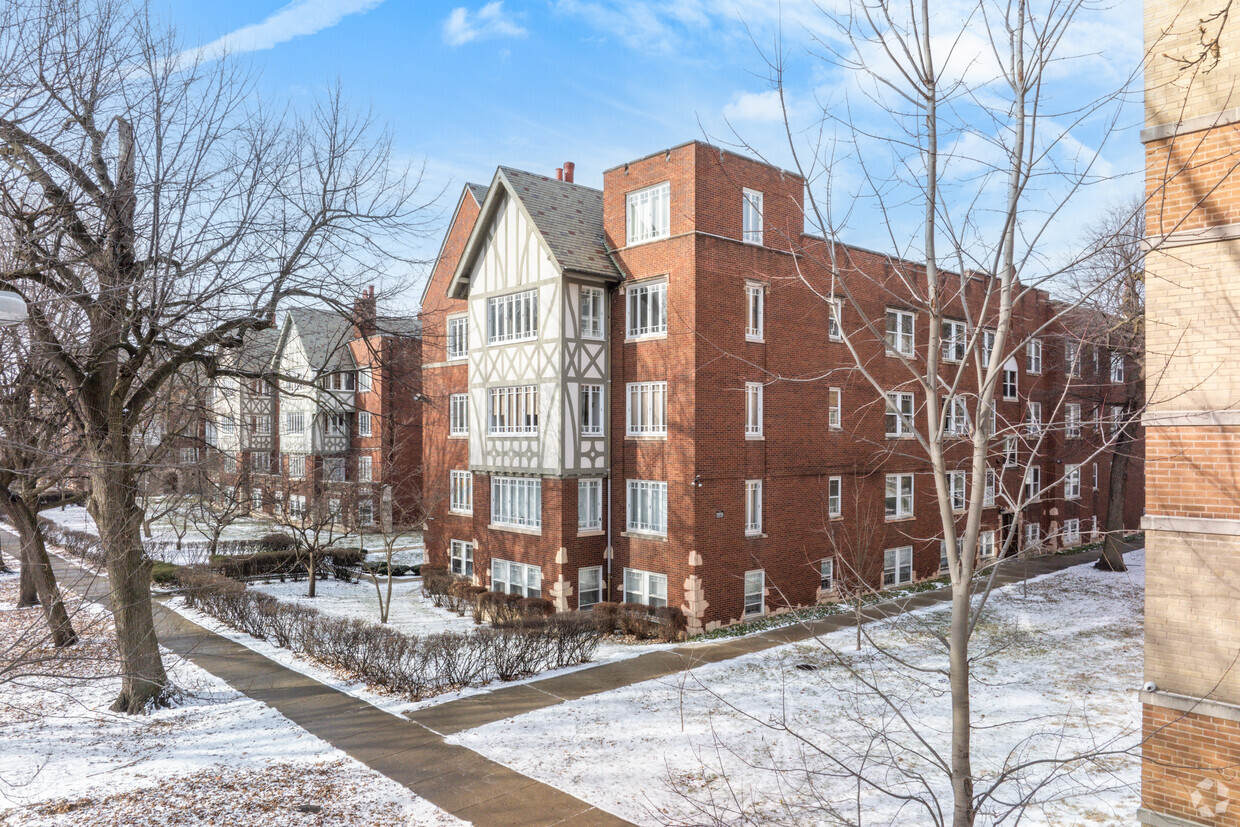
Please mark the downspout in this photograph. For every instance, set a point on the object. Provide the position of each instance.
(609, 553)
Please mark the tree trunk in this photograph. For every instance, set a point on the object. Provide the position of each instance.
(1112, 558)
(144, 683)
(43, 578)
(962, 765)
(27, 591)
(312, 569)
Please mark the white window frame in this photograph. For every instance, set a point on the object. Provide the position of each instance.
(955, 416)
(364, 426)
(365, 380)
(1072, 359)
(458, 414)
(898, 503)
(295, 422)
(897, 566)
(366, 511)
(986, 544)
(260, 462)
(647, 213)
(1011, 452)
(1117, 418)
(835, 409)
(953, 340)
(1033, 536)
(513, 410)
(751, 216)
(646, 507)
(461, 500)
(753, 410)
(1033, 351)
(943, 559)
(957, 489)
(256, 498)
(826, 574)
(1033, 484)
(755, 593)
(591, 410)
(461, 555)
(589, 586)
(1072, 531)
(1072, 420)
(458, 337)
(516, 502)
(296, 506)
(334, 469)
(645, 310)
(835, 496)
(990, 488)
(512, 317)
(1072, 482)
(337, 424)
(988, 345)
(516, 578)
(835, 319)
(753, 508)
(297, 466)
(1033, 418)
(646, 587)
(593, 315)
(901, 332)
(755, 309)
(1117, 367)
(365, 468)
(649, 416)
(1095, 472)
(899, 402)
(589, 505)
(1011, 384)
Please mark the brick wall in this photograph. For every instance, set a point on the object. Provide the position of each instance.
(1190, 767)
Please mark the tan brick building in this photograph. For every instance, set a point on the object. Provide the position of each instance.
(1191, 767)
(639, 394)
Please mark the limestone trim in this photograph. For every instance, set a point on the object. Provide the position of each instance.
(1188, 419)
(1162, 131)
(1196, 706)
(1187, 238)
(1152, 819)
(1190, 525)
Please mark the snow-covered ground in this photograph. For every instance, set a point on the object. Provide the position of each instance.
(1062, 681)
(216, 757)
(411, 612)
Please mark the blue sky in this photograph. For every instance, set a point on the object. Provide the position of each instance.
(467, 87)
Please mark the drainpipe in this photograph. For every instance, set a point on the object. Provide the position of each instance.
(609, 553)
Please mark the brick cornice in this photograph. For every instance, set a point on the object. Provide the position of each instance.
(1187, 703)
(1163, 131)
(1187, 238)
(1190, 525)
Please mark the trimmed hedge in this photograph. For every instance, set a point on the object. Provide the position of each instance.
(285, 562)
(417, 667)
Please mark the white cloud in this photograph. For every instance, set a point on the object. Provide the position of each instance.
(464, 26)
(760, 107)
(297, 19)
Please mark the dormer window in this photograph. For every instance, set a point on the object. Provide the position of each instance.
(648, 213)
(341, 380)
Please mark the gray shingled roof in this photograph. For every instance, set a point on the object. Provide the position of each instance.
(324, 335)
(257, 349)
(478, 191)
(570, 219)
(398, 326)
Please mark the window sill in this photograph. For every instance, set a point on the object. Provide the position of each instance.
(1033, 373)
(757, 340)
(592, 435)
(590, 532)
(631, 244)
(904, 519)
(901, 436)
(755, 437)
(646, 437)
(638, 535)
(460, 513)
(647, 337)
(512, 529)
(458, 436)
(755, 535)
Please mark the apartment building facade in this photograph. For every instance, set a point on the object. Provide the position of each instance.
(323, 412)
(1191, 700)
(645, 397)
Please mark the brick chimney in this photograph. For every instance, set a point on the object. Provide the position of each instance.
(364, 313)
(569, 166)
(559, 173)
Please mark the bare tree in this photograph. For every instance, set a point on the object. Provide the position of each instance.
(857, 572)
(160, 213)
(315, 518)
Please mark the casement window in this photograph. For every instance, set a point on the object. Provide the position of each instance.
(944, 562)
(337, 424)
(461, 553)
(648, 213)
(1009, 384)
(592, 320)
(342, 380)
(364, 427)
(1072, 420)
(589, 505)
(462, 492)
(898, 566)
(754, 301)
(645, 587)
(755, 592)
(514, 411)
(591, 410)
(516, 502)
(834, 409)
(458, 337)
(257, 386)
(899, 502)
(458, 414)
(956, 489)
(645, 409)
(751, 217)
(988, 491)
(835, 319)
(295, 422)
(512, 318)
(647, 507)
(333, 469)
(753, 409)
(1117, 367)
(589, 586)
(366, 511)
(753, 507)
(986, 544)
(297, 466)
(1011, 452)
(189, 456)
(1072, 531)
(365, 380)
(1117, 418)
(1033, 536)
(1097, 359)
(1034, 353)
(900, 332)
(296, 506)
(954, 339)
(1072, 482)
(646, 310)
(260, 463)
(1095, 476)
(835, 496)
(899, 416)
(1072, 359)
(260, 425)
(228, 463)
(1033, 418)
(1033, 483)
(988, 345)
(365, 469)
(826, 574)
(227, 425)
(516, 578)
(333, 509)
(256, 499)
(956, 416)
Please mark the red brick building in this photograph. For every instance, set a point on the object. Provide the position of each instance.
(640, 394)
